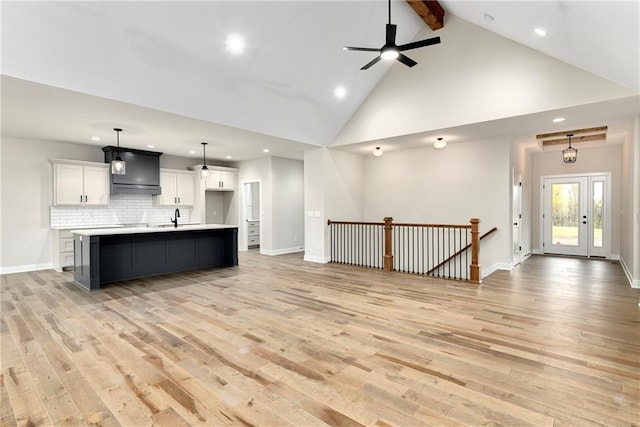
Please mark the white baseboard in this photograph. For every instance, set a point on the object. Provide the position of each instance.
(25, 268)
(282, 251)
(319, 259)
(635, 283)
(494, 267)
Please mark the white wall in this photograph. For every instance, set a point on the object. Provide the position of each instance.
(630, 205)
(477, 74)
(288, 205)
(333, 187)
(27, 193)
(450, 186)
(603, 158)
(282, 203)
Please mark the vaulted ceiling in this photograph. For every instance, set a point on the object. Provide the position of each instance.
(74, 70)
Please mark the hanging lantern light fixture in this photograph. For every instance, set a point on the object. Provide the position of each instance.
(570, 154)
(118, 166)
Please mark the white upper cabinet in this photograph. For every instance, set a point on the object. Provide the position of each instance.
(80, 183)
(177, 187)
(221, 180)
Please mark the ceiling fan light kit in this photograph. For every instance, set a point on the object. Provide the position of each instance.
(392, 51)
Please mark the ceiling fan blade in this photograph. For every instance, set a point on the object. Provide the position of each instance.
(367, 66)
(419, 43)
(391, 34)
(406, 60)
(366, 49)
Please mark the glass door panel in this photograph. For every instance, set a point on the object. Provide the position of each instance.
(565, 209)
(565, 229)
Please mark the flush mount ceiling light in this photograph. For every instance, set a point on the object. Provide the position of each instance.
(235, 44)
(118, 166)
(205, 170)
(377, 152)
(570, 154)
(440, 144)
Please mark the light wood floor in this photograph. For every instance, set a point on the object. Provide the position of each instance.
(278, 341)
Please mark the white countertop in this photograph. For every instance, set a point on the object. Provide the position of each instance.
(141, 230)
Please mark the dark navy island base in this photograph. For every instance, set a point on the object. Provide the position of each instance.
(105, 256)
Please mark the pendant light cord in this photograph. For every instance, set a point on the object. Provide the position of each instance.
(389, 11)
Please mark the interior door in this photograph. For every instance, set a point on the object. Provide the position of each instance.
(575, 215)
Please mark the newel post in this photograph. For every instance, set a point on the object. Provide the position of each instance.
(474, 268)
(388, 254)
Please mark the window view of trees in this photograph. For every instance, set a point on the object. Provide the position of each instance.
(566, 213)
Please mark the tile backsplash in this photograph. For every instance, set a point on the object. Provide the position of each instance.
(124, 209)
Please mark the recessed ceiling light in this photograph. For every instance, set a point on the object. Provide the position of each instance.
(488, 17)
(266, 150)
(95, 138)
(235, 44)
(150, 146)
(192, 151)
(558, 119)
(540, 31)
(228, 157)
(340, 92)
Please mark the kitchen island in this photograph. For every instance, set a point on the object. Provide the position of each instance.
(115, 254)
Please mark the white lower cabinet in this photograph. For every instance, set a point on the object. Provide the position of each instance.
(253, 234)
(62, 250)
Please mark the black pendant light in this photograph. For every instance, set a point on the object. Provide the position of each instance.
(118, 166)
(570, 154)
(205, 170)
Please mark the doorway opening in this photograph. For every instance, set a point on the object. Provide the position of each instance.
(576, 215)
(251, 209)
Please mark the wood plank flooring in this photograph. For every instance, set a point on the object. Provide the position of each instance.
(278, 341)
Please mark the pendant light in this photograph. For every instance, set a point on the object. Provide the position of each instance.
(440, 144)
(118, 166)
(570, 154)
(204, 172)
(377, 152)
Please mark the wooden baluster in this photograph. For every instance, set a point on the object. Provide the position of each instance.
(388, 253)
(475, 249)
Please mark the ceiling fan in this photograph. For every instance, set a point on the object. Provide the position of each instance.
(390, 50)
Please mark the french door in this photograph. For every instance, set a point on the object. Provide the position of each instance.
(576, 215)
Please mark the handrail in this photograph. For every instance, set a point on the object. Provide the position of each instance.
(400, 224)
(329, 222)
(494, 229)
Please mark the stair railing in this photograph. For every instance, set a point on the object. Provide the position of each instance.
(438, 250)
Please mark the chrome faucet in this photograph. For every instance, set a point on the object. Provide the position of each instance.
(174, 220)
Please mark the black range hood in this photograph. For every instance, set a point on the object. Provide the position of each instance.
(143, 171)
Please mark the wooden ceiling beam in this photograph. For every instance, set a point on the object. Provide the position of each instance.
(575, 139)
(575, 132)
(430, 11)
